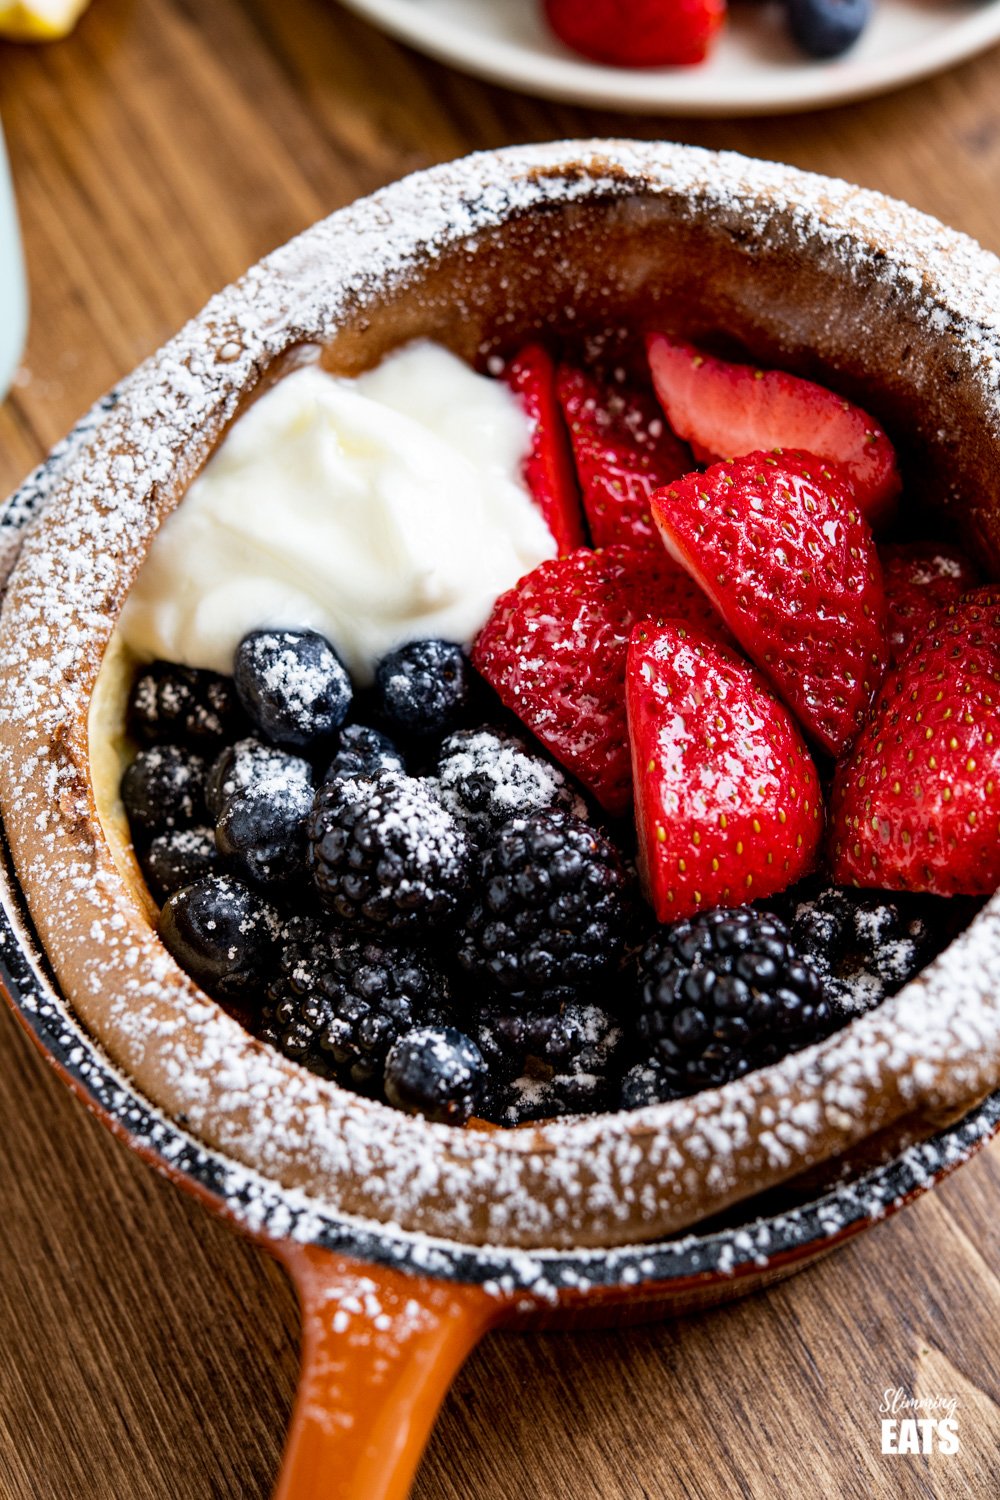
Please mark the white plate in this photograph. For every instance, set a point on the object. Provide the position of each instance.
(754, 70)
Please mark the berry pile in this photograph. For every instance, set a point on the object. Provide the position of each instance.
(407, 889)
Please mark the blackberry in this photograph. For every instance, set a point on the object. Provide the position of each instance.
(386, 854)
(173, 703)
(341, 1001)
(245, 764)
(559, 1058)
(222, 934)
(437, 1072)
(163, 789)
(262, 830)
(364, 752)
(551, 906)
(423, 689)
(177, 858)
(293, 685)
(488, 776)
(724, 993)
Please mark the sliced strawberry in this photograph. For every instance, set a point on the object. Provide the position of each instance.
(921, 578)
(554, 650)
(623, 449)
(782, 551)
(548, 469)
(637, 33)
(916, 805)
(725, 410)
(727, 800)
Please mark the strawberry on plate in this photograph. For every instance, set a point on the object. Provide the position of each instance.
(727, 800)
(623, 449)
(921, 578)
(554, 651)
(781, 549)
(549, 471)
(725, 410)
(916, 805)
(637, 33)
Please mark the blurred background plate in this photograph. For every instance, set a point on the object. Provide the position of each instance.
(754, 70)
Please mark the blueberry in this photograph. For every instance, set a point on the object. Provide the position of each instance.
(825, 28)
(293, 685)
(364, 752)
(221, 933)
(423, 689)
(163, 788)
(176, 858)
(174, 703)
(438, 1072)
(247, 763)
(261, 831)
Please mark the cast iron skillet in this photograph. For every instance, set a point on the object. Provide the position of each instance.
(389, 1317)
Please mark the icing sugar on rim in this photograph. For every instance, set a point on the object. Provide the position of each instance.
(936, 1045)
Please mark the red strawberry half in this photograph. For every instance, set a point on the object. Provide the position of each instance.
(727, 800)
(920, 579)
(548, 469)
(725, 410)
(623, 449)
(780, 548)
(637, 33)
(916, 805)
(554, 651)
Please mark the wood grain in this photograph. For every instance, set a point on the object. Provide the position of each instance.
(146, 1352)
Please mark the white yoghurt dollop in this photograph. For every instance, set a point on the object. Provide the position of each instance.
(378, 510)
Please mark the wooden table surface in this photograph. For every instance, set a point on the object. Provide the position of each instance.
(144, 1350)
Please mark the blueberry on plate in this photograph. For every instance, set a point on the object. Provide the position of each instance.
(261, 831)
(222, 934)
(437, 1072)
(826, 28)
(293, 685)
(162, 789)
(423, 688)
(177, 857)
(364, 752)
(170, 702)
(245, 764)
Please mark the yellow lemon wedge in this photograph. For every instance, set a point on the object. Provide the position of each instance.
(39, 20)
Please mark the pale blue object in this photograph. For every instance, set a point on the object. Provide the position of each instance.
(13, 291)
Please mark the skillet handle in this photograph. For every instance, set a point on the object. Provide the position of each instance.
(379, 1351)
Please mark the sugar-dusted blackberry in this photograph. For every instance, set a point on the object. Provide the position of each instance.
(163, 788)
(364, 752)
(261, 830)
(177, 858)
(723, 993)
(245, 764)
(172, 703)
(222, 933)
(423, 688)
(550, 908)
(437, 1072)
(341, 1001)
(488, 776)
(293, 685)
(563, 1057)
(386, 854)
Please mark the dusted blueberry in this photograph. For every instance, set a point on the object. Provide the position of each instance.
(174, 703)
(423, 689)
(163, 788)
(222, 934)
(645, 1083)
(437, 1072)
(177, 858)
(247, 763)
(261, 831)
(364, 752)
(488, 776)
(293, 685)
(825, 28)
